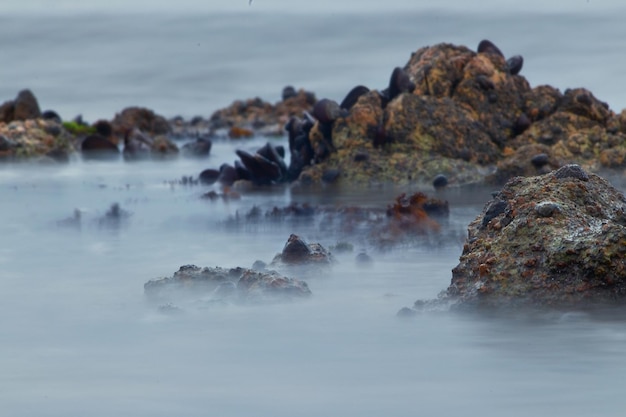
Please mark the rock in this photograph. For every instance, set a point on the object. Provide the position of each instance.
(198, 149)
(51, 115)
(29, 139)
(557, 240)
(163, 147)
(209, 176)
(26, 106)
(138, 145)
(140, 118)
(191, 282)
(528, 160)
(363, 259)
(440, 182)
(7, 111)
(255, 115)
(98, 147)
(298, 252)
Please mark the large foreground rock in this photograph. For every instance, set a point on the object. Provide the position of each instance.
(552, 240)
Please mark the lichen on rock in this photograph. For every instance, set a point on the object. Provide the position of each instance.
(553, 240)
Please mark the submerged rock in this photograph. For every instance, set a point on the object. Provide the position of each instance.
(298, 252)
(553, 240)
(223, 284)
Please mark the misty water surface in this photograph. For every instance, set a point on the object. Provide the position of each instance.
(77, 336)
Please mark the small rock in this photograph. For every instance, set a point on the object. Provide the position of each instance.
(571, 171)
(547, 209)
(440, 181)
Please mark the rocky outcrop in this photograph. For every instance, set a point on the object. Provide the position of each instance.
(257, 115)
(298, 252)
(553, 240)
(140, 118)
(38, 138)
(468, 115)
(23, 107)
(224, 285)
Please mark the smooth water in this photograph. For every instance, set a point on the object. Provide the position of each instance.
(77, 336)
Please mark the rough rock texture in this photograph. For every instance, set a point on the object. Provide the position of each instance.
(221, 284)
(26, 106)
(469, 118)
(258, 115)
(552, 240)
(23, 107)
(140, 118)
(298, 252)
(21, 140)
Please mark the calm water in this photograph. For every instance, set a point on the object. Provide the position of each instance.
(78, 338)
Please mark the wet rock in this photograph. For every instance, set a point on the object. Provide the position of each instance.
(557, 240)
(528, 161)
(140, 118)
(114, 217)
(105, 129)
(191, 282)
(7, 111)
(571, 171)
(256, 115)
(363, 259)
(139, 145)
(547, 209)
(298, 252)
(331, 176)
(198, 149)
(31, 139)
(209, 176)
(25, 106)
(440, 181)
(237, 132)
(163, 147)
(98, 147)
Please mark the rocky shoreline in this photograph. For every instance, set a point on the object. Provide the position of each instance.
(469, 116)
(554, 235)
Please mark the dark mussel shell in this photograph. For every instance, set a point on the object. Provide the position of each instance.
(515, 64)
(289, 92)
(262, 170)
(489, 47)
(270, 153)
(353, 96)
(399, 83)
(327, 111)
